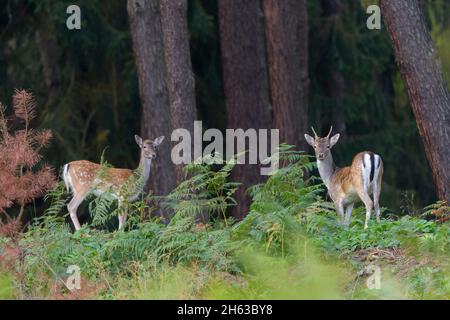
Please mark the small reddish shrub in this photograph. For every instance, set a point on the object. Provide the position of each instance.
(22, 175)
(9, 257)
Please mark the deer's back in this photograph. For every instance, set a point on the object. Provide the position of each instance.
(86, 172)
(347, 180)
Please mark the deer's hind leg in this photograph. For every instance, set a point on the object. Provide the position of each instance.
(348, 213)
(377, 191)
(73, 206)
(368, 203)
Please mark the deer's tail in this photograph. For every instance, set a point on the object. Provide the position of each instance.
(372, 165)
(66, 177)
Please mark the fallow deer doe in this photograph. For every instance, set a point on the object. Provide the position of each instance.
(346, 185)
(84, 177)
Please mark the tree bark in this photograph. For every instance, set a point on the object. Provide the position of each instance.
(49, 56)
(245, 80)
(145, 24)
(334, 85)
(180, 78)
(427, 90)
(330, 7)
(286, 24)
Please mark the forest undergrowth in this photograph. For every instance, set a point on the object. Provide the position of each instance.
(289, 246)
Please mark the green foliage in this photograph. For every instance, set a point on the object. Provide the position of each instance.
(206, 193)
(281, 202)
(438, 210)
(103, 209)
(302, 275)
(177, 243)
(6, 286)
(386, 234)
(429, 283)
(57, 198)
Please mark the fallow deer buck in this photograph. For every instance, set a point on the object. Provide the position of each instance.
(346, 185)
(84, 177)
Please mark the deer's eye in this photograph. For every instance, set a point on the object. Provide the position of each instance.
(328, 147)
(315, 147)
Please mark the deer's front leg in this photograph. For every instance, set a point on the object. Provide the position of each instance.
(340, 209)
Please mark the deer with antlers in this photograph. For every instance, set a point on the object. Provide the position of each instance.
(349, 184)
(84, 177)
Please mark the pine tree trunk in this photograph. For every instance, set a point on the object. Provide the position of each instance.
(145, 24)
(286, 24)
(245, 80)
(334, 85)
(49, 57)
(180, 78)
(427, 90)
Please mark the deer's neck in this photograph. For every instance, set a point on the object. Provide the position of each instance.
(141, 174)
(144, 167)
(326, 169)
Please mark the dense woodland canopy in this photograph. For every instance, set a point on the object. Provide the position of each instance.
(87, 85)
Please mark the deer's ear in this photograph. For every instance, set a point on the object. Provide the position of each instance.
(158, 141)
(334, 139)
(138, 140)
(309, 139)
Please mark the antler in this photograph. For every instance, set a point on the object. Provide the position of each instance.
(331, 129)
(315, 134)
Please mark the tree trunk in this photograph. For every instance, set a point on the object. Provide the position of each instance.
(330, 7)
(145, 24)
(334, 85)
(245, 80)
(49, 56)
(180, 78)
(286, 25)
(428, 93)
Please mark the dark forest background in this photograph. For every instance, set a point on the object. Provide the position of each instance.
(87, 89)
